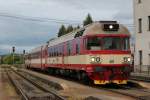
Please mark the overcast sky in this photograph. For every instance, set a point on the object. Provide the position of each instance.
(29, 23)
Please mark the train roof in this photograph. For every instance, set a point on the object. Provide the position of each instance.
(38, 49)
(98, 28)
(91, 29)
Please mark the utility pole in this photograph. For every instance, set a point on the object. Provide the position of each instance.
(13, 51)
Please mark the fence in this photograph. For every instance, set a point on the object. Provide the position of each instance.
(142, 69)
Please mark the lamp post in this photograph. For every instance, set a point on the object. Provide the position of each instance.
(24, 52)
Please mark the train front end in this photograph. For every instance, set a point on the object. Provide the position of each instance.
(109, 56)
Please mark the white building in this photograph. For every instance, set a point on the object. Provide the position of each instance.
(142, 33)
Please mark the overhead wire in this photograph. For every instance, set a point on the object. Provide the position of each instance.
(39, 19)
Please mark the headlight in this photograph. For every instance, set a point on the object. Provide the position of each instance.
(95, 59)
(111, 27)
(98, 59)
(127, 59)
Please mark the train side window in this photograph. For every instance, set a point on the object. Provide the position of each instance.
(78, 46)
(56, 52)
(77, 49)
(52, 52)
(49, 52)
(68, 48)
(61, 50)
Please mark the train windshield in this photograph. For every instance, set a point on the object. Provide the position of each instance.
(108, 43)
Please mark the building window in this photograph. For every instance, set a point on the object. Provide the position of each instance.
(149, 58)
(140, 57)
(149, 45)
(149, 23)
(140, 25)
(139, 1)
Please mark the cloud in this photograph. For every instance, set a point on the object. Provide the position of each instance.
(18, 29)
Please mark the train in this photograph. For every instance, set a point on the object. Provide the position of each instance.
(99, 52)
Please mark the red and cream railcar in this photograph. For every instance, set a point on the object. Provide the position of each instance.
(99, 51)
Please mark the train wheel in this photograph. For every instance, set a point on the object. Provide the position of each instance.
(84, 78)
(79, 76)
(50, 71)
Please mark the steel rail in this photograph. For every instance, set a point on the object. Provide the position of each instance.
(18, 88)
(57, 97)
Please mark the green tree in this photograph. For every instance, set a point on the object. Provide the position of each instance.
(62, 31)
(69, 29)
(8, 59)
(75, 28)
(88, 20)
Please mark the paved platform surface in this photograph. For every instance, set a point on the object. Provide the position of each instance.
(7, 91)
(140, 74)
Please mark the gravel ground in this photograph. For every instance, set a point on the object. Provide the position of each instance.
(7, 91)
(76, 91)
(142, 83)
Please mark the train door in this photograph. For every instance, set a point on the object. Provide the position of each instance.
(41, 57)
(46, 55)
(81, 45)
(63, 54)
(84, 44)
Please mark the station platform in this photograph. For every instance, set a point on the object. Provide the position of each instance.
(143, 76)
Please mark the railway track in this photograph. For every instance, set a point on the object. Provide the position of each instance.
(127, 90)
(31, 89)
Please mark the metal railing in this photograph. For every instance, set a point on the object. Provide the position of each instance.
(142, 69)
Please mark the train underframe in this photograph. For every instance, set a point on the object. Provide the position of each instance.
(107, 75)
(97, 75)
